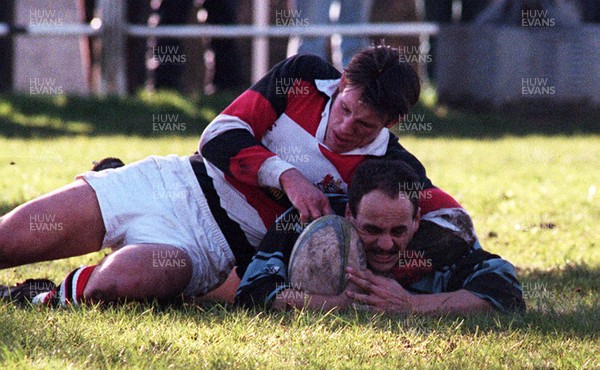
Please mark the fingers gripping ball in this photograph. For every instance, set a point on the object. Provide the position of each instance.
(321, 254)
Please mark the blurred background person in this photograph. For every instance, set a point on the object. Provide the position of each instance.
(167, 54)
(6, 48)
(221, 55)
(445, 12)
(222, 62)
(322, 12)
(162, 63)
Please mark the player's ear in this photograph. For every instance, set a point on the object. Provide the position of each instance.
(342, 84)
(418, 215)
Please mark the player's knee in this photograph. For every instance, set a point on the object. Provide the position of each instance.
(95, 293)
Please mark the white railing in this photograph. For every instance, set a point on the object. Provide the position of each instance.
(396, 29)
(113, 30)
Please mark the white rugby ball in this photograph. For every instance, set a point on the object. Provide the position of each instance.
(321, 254)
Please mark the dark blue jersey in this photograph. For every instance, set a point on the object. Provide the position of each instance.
(443, 256)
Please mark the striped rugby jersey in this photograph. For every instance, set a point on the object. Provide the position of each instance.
(277, 124)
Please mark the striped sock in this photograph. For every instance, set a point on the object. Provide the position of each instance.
(70, 291)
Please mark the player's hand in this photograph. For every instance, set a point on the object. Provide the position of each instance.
(379, 293)
(310, 202)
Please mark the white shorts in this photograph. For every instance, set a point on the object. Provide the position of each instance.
(158, 201)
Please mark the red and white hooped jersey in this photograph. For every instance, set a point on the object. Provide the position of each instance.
(278, 124)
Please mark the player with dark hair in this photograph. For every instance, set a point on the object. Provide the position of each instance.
(420, 259)
(178, 225)
(391, 178)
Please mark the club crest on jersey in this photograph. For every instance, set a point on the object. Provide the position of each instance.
(330, 185)
(275, 194)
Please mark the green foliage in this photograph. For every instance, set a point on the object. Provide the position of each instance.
(533, 196)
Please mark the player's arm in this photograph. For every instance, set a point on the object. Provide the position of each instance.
(489, 277)
(266, 275)
(460, 301)
(232, 142)
(265, 282)
(472, 282)
(271, 291)
(447, 238)
(464, 273)
(387, 295)
(462, 278)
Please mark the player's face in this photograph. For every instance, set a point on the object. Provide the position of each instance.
(352, 124)
(385, 226)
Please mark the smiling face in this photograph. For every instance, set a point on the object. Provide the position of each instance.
(385, 226)
(352, 124)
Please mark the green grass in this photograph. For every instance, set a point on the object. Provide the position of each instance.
(196, 337)
(48, 117)
(531, 186)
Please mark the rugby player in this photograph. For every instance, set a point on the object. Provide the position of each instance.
(422, 253)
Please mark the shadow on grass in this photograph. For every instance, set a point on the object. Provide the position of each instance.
(165, 113)
(571, 310)
(559, 301)
(146, 114)
(562, 301)
(8, 331)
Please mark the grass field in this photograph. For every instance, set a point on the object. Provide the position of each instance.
(530, 184)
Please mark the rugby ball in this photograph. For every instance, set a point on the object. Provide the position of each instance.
(322, 252)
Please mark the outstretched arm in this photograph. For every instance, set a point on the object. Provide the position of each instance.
(386, 295)
(265, 280)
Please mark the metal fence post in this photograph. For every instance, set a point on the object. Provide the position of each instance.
(113, 77)
(260, 44)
